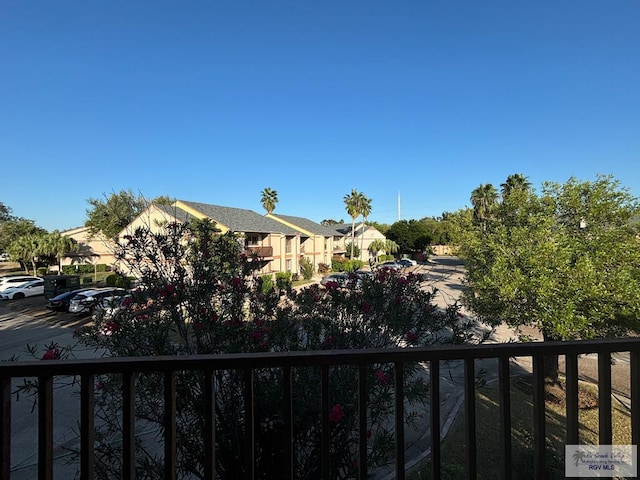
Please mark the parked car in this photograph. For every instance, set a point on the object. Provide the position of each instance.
(14, 280)
(86, 302)
(27, 289)
(407, 262)
(109, 307)
(341, 278)
(60, 303)
(392, 265)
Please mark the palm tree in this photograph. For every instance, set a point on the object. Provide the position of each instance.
(353, 205)
(269, 200)
(376, 246)
(483, 199)
(514, 182)
(25, 249)
(365, 211)
(57, 245)
(390, 247)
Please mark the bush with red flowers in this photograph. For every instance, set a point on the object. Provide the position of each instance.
(199, 294)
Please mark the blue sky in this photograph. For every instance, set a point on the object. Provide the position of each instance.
(212, 101)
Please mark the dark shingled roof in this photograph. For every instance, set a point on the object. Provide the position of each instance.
(310, 226)
(240, 219)
(176, 213)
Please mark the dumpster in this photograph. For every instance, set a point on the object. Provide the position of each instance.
(57, 284)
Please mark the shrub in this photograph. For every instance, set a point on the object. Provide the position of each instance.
(101, 268)
(265, 283)
(200, 298)
(323, 268)
(42, 271)
(338, 263)
(356, 250)
(306, 268)
(116, 280)
(78, 268)
(283, 280)
(353, 265)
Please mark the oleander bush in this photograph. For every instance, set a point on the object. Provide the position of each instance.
(200, 294)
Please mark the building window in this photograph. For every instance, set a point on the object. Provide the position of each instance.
(288, 265)
(253, 241)
(288, 245)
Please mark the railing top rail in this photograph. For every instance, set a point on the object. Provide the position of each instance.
(312, 358)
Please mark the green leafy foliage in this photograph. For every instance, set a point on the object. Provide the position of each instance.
(410, 235)
(565, 261)
(283, 280)
(306, 268)
(352, 248)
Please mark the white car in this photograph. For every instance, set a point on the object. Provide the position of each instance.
(87, 301)
(15, 280)
(27, 289)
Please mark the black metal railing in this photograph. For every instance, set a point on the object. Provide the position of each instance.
(87, 370)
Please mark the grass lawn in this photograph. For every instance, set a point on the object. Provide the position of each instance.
(488, 433)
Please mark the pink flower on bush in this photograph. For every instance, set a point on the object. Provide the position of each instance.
(256, 335)
(336, 413)
(237, 282)
(383, 378)
(411, 336)
(127, 302)
(198, 326)
(168, 290)
(109, 328)
(403, 281)
(52, 354)
(331, 285)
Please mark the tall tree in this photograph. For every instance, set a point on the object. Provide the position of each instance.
(112, 214)
(330, 221)
(409, 235)
(14, 228)
(483, 200)
(515, 182)
(269, 199)
(353, 205)
(26, 250)
(5, 213)
(535, 265)
(365, 211)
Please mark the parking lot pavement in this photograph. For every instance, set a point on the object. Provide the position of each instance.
(28, 322)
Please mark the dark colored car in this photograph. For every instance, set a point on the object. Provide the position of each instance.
(60, 303)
